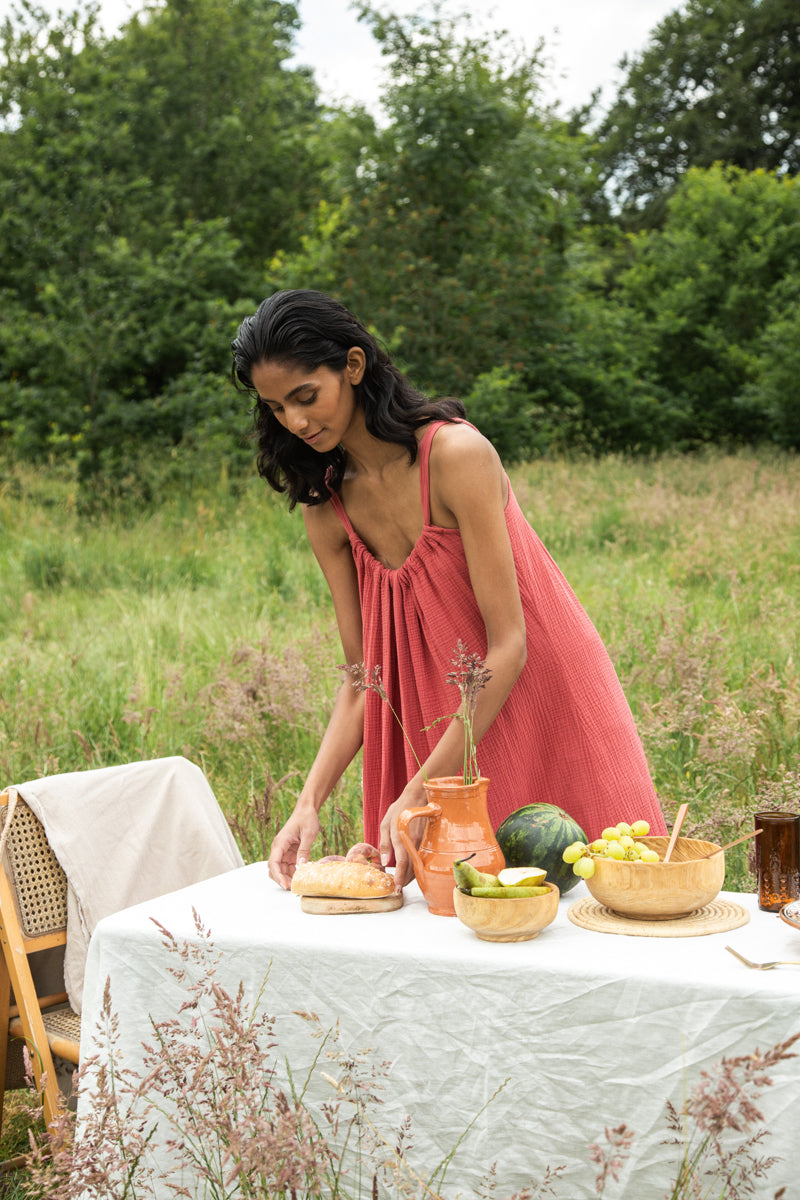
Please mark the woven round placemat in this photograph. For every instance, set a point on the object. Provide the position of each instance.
(716, 917)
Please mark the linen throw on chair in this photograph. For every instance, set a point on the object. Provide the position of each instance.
(124, 835)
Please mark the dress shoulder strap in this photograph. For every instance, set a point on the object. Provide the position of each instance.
(424, 480)
(341, 512)
(424, 472)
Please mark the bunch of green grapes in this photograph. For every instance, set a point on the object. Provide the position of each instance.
(617, 841)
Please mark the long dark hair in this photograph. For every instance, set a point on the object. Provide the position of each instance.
(309, 329)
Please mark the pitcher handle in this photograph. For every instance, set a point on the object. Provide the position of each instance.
(431, 812)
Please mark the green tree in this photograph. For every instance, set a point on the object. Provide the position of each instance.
(144, 179)
(92, 368)
(708, 294)
(609, 397)
(192, 96)
(452, 239)
(716, 83)
(201, 101)
(774, 372)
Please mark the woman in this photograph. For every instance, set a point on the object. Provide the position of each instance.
(412, 520)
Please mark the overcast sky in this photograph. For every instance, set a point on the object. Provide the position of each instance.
(585, 39)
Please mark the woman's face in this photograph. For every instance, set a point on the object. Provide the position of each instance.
(319, 406)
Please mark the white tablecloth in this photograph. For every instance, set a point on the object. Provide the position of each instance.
(591, 1030)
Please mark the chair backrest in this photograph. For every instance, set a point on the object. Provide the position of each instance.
(39, 885)
(33, 917)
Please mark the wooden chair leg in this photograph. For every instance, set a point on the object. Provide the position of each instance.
(5, 1004)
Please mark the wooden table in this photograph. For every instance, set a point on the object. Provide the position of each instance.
(585, 1030)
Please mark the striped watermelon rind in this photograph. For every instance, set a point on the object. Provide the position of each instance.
(537, 835)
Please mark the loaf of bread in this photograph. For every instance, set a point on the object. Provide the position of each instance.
(342, 880)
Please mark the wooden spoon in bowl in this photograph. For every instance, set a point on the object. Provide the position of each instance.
(744, 838)
(676, 828)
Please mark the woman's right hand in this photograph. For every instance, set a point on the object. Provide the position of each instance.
(292, 845)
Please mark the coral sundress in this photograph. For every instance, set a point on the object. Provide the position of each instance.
(565, 735)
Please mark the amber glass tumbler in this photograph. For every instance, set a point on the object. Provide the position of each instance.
(777, 859)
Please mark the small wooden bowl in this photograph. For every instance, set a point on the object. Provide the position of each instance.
(507, 920)
(660, 891)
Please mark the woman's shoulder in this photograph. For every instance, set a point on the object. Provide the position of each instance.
(458, 445)
(465, 470)
(323, 526)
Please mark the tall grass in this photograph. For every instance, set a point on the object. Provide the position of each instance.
(202, 626)
(198, 627)
(690, 568)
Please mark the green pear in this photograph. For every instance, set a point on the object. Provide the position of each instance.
(509, 892)
(468, 877)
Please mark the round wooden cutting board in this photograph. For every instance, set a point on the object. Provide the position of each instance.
(327, 905)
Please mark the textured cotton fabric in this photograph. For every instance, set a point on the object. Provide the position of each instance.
(590, 1029)
(564, 736)
(125, 834)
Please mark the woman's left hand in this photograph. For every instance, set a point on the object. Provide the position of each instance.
(413, 796)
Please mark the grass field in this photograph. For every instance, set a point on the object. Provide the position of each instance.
(201, 626)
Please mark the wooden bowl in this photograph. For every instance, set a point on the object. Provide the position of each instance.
(660, 891)
(507, 920)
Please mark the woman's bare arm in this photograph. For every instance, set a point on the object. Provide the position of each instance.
(345, 731)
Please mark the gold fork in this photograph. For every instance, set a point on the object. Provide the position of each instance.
(762, 966)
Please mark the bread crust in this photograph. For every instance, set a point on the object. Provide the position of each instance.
(349, 880)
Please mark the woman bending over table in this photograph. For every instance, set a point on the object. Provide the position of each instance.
(422, 543)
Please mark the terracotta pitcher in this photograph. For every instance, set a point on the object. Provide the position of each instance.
(457, 823)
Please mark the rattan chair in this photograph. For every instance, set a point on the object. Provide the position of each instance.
(33, 917)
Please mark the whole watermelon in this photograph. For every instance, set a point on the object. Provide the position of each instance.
(536, 835)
